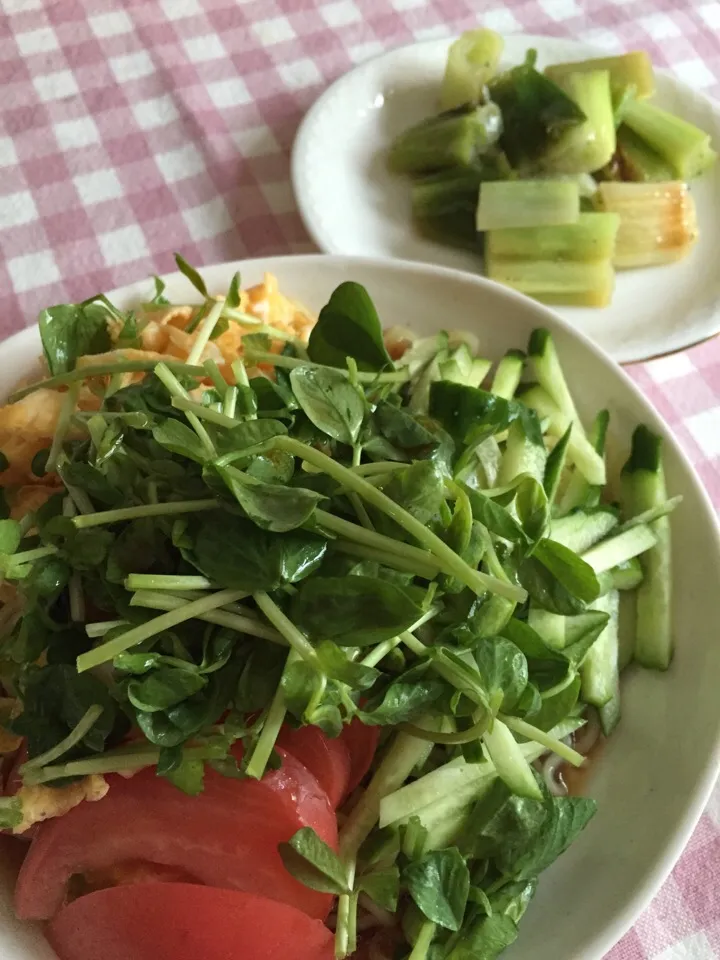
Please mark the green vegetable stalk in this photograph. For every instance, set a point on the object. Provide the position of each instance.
(456, 138)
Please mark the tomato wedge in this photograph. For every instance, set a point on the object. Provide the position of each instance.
(327, 759)
(181, 921)
(227, 837)
(362, 743)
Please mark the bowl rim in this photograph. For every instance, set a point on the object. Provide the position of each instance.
(659, 870)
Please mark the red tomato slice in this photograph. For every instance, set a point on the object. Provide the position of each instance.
(181, 921)
(362, 742)
(227, 837)
(327, 759)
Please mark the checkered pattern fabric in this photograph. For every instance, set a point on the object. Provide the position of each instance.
(130, 129)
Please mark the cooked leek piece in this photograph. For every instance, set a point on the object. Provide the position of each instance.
(569, 283)
(444, 205)
(657, 221)
(620, 101)
(591, 144)
(452, 139)
(681, 144)
(626, 70)
(535, 111)
(472, 62)
(527, 203)
(638, 162)
(591, 238)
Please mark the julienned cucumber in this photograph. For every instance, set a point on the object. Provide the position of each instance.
(625, 576)
(626, 628)
(462, 367)
(632, 543)
(579, 493)
(546, 363)
(448, 788)
(580, 451)
(508, 374)
(550, 626)
(643, 488)
(522, 455)
(582, 529)
(510, 762)
(599, 671)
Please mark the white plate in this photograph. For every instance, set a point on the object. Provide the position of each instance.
(655, 776)
(352, 205)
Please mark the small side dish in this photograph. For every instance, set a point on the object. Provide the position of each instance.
(558, 177)
(302, 621)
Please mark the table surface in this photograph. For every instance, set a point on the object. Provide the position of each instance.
(131, 130)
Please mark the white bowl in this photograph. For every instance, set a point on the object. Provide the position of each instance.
(654, 778)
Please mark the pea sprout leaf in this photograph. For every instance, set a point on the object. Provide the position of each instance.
(439, 884)
(310, 860)
(330, 401)
(348, 326)
(353, 611)
(192, 275)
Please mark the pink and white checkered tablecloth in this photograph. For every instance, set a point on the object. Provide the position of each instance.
(130, 130)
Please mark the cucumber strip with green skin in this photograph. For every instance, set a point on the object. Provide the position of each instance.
(509, 760)
(626, 628)
(457, 779)
(583, 529)
(653, 640)
(580, 451)
(555, 466)
(550, 626)
(443, 826)
(609, 714)
(484, 473)
(559, 631)
(599, 669)
(649, 516)
(643, 487)
(480, 369)
(579, 493)
(521, 455)
(462, 367)
(549, 373)
(508, 373)
(625, 576)
(609, 553)
(396, 766)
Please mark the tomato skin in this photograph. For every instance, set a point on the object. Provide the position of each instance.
(227, 837)
(362, 743)
(327, 759)
(180, 921)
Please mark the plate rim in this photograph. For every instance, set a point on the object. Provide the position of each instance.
(319, 237)
(662, 865)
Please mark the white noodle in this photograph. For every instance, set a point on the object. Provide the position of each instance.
(587, 736)
(550, 772)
